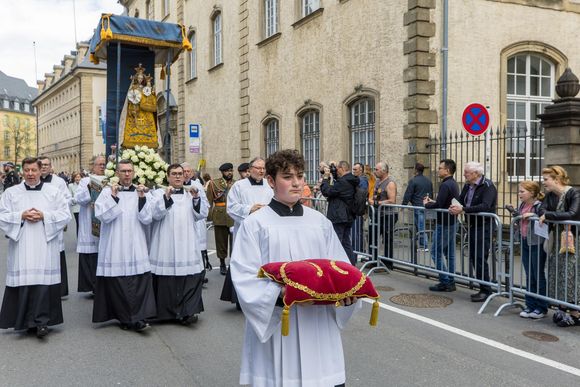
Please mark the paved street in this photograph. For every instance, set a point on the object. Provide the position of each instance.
(450, 346)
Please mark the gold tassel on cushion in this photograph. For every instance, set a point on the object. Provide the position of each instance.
(185, 43)
(106, 34)
(285, 321)
(374, 314)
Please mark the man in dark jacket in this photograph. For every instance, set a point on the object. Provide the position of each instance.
(419, 187)
(444, 238)
(478, 195)
(11, 178)
(340, 198)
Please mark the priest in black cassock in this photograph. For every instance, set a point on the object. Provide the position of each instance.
(175, 256)
(124, 289)
(32, 215)
(47, 177)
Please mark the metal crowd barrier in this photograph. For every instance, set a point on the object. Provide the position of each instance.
(544, 270)
(406, 241)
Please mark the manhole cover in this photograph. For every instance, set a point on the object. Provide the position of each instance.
(421, 300)
(384, 288)
(540, 336)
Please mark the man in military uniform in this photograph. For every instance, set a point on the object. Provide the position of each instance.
(11, 179)
(217, 193)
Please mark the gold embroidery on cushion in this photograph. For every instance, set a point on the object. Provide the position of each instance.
(319, 271)
(338, 269)
(321, 296)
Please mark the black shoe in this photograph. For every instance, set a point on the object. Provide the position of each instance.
(205, 281)
(124, 326)
(41, 331)
(479, 297)
(441, 287)
(141, 326)
(223, 269)
(188, 320)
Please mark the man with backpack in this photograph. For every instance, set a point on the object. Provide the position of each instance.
(342, 208)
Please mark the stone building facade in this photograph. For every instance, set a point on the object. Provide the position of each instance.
(17, 119)
(360, 80)
(71, 110)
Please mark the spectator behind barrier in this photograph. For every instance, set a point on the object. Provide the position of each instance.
(478, 195)
(418, 187)
(340, 198)
(444, 237)
(531, 245)
(562, 203)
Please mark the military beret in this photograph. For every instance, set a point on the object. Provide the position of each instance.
(243, 167)
(226, 166)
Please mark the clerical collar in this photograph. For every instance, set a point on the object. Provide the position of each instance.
(283, 210)
(187, 182)
(37, 187)
(130, 188)
(178, 191)
(47, 178)
(255, 182)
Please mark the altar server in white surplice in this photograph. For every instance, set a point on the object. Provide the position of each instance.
(32, 215)
(246, 197)
(47, 177)
(124, 290)
(87, 242)
(311, 355)
(189, 179)
(175, 256)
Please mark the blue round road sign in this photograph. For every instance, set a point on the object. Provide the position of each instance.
(475, 119)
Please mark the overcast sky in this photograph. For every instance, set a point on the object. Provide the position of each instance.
(49, 23)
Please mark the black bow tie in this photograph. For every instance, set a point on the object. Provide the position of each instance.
(128, 189)
(178, 191)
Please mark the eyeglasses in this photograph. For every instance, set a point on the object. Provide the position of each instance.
(259, 168)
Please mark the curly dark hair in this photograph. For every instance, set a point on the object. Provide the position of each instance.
(283, 160)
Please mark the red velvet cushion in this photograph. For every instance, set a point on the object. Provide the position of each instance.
(323, 281)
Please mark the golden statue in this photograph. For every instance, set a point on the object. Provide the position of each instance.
(138, 121)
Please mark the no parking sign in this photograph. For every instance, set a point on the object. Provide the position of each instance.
(475, 119)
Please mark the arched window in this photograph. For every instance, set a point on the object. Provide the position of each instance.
(217, 38)
(362, 131)
(310, 141)
(193, 56)
(272, 136)
(530, 87)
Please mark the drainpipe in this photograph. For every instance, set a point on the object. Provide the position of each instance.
(445, 52)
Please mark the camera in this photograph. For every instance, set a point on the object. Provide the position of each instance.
(511, 209)
(333, 171)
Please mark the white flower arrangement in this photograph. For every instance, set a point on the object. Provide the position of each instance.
(150, 169)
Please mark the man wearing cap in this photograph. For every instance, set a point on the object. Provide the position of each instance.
(11, 178)
(217, 193)
(244, 170)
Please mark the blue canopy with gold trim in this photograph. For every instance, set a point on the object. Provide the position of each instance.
(162, 38)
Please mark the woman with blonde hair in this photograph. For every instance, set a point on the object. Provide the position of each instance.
(368, 172)
(562, 203)
(533, 254)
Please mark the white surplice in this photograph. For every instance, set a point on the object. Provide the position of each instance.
(201, 223)
(123, 244)
(242, 196)
(87, 243)
(60, 184)
(175, 249)
(311, 355)
(33, 248)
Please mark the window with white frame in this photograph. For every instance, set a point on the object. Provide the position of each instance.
(217, 39)
(148, 10)
(309, 6)
(310, 138)
(193, 56)
(165, 7)
(271, 17)
(26, 107)
(530, 85)
(272, 136)
(362, 131)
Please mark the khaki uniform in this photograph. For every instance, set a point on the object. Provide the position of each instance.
(217, 194)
